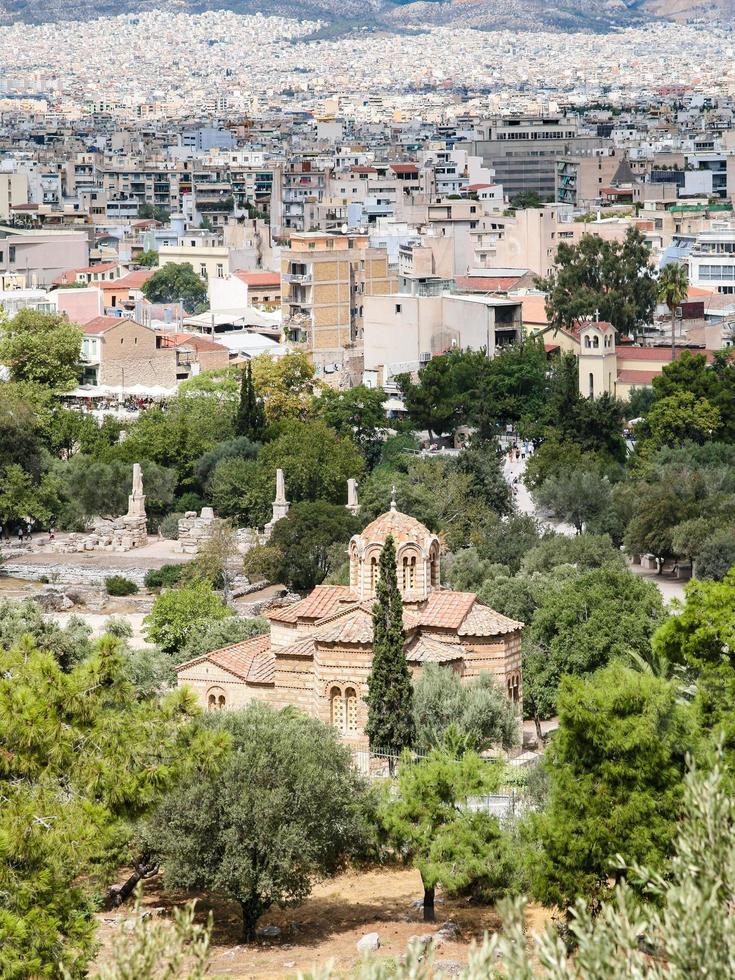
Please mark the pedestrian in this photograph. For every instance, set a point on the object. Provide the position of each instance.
(20, 534)
(29, 529)
(51, 533)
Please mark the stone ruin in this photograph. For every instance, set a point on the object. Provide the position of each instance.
(118, 534)
(196, 529)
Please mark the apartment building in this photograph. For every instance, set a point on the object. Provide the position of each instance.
(712, 258)
(41, 255)
(122, 353)
(523, 150)
(580, 180)
(324, 282)
(402, 332)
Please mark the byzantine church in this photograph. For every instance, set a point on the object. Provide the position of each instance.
(318, 654)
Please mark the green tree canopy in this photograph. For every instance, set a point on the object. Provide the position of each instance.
(616, 769)
(357, 412)
(81, 759)
(477, 711)
(612, 279)
(305, 538)
(390, 725)
(177, 613)
(147, 259)
(41, 348)
(250, 421)
(285, 809)
(176, 282)
(286, 384)
(598, 616)
(429, 822)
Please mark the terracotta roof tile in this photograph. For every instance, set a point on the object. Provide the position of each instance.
(260, 278)
(446, 609)
(322, 602)
(402, 527)
(101, 324)
(237, 658)
(301, 648)
(484, 621)
(262, 668)
(355, 626)
(427, 649)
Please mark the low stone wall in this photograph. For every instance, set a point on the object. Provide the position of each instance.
(69, 574)
(119, 535)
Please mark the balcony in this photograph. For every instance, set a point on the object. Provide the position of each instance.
(297, 279)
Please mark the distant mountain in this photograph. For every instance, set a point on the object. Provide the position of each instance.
(560, 15)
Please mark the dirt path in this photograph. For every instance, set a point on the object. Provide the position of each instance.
(329, 924)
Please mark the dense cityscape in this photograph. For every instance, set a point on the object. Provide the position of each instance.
(367, 490)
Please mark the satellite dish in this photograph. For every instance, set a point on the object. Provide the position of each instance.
(345, 228)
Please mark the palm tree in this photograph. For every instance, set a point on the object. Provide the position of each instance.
(672, 288)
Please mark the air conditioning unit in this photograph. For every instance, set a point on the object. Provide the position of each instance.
(424, 357)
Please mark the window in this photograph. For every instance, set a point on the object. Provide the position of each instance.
(11, 253)
(373, 573)
(220, 270)
(202, 270)
(592, 385)
(351, 709)
(398, 307)
(435, 571)
(337, 709)
(409, 573)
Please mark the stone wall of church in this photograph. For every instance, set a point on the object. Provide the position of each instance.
(499, 655)
(206, 678)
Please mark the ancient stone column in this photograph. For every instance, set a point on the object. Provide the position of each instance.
(352, 504)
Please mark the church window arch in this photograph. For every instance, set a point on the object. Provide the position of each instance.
(337, 709)
(587, 341)
(351, 710)
(595, 341)
(373, 573)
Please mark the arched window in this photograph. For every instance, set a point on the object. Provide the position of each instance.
(592, 385)
(587, 341)
(373, 573)
(221, 702)
(351, 705)
(211, 702)
(337, 709)
(595, 341)
(435, 570)
(411, 573)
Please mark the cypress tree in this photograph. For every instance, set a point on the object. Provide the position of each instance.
(390, 694)
(250, 413)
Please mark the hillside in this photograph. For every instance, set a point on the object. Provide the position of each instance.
(558, 15)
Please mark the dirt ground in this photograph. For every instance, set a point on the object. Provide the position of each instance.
(329, 924)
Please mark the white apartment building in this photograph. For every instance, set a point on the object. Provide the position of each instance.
(712, 258)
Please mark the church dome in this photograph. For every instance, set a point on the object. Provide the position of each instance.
(417, 555)
(403, 527)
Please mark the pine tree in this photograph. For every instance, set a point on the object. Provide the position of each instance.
(390, 695)
(250, 412)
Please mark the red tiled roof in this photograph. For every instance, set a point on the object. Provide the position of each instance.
(484, 621)
(321, 603)
(355, 626)
(446, 609)
(637, 377)
(133, 280)
(427, 649)
(101, 324)
(404, 168)
(259, 278)
(362, 170)
(301, 648)
(197, 341)
(238, 658)
(262, 668)
(70, 275)
(479, 187)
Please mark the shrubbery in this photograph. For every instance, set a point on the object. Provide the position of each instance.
(165, 577)
(118, 585)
